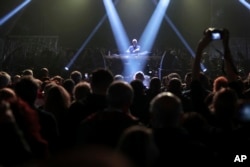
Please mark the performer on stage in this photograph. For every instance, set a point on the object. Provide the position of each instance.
(134, 48)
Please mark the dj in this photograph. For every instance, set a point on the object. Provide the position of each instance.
(134, 48)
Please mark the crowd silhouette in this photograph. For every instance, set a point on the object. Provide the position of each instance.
(106, 121)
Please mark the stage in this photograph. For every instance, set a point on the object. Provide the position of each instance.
(128, 64)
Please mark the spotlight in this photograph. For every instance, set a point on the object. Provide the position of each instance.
(116, 25)
(13, 12)
(66, 68)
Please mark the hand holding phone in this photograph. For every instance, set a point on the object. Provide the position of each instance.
(214, 33)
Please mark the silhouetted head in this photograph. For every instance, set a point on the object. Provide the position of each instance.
(5, 79)
(220, 82)
(120, 94)
(76, 76)
(137, 143)
(166, 110)
(7, 94)
(27, 72)
(82, 90)
(139, 75)
(100, 80)
(27, 89)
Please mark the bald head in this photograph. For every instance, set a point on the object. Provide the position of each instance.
(7, 94)
(120, 94)
(166, 110)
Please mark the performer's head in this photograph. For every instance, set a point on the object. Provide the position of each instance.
(134, 42)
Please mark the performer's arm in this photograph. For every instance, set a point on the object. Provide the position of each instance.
(137, 49)
(128, 50)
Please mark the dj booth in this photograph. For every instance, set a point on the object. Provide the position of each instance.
(144, 61)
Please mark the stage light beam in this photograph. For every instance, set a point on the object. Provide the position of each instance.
(116, 25)
(149, 34)
(120, 35)
(245, 3)
(167, 19)
(14, 12)
(87, 40)
(85, 43)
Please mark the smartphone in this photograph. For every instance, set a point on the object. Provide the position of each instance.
(215, 36)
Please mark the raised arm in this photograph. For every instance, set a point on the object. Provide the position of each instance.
(204, 41)
(229, 66)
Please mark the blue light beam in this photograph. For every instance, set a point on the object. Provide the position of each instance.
(85, 43)
(149, 34)
(120, 35)
(245, 3)
(13, 12)
(182, 40)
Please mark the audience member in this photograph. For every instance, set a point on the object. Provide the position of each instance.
(138, 145)
(69, 85)
(154, 88)
(28, 122)
(173, 141)
(140, 104)
(119, 77)
(44, 74)
(27, 72)
(218, 83)
(99, 83)
(76, 76)
(187, 81)
(5, 79)
(15, 149)
(27, 89)
(77, 111)
(105, 127)
(175, 87)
